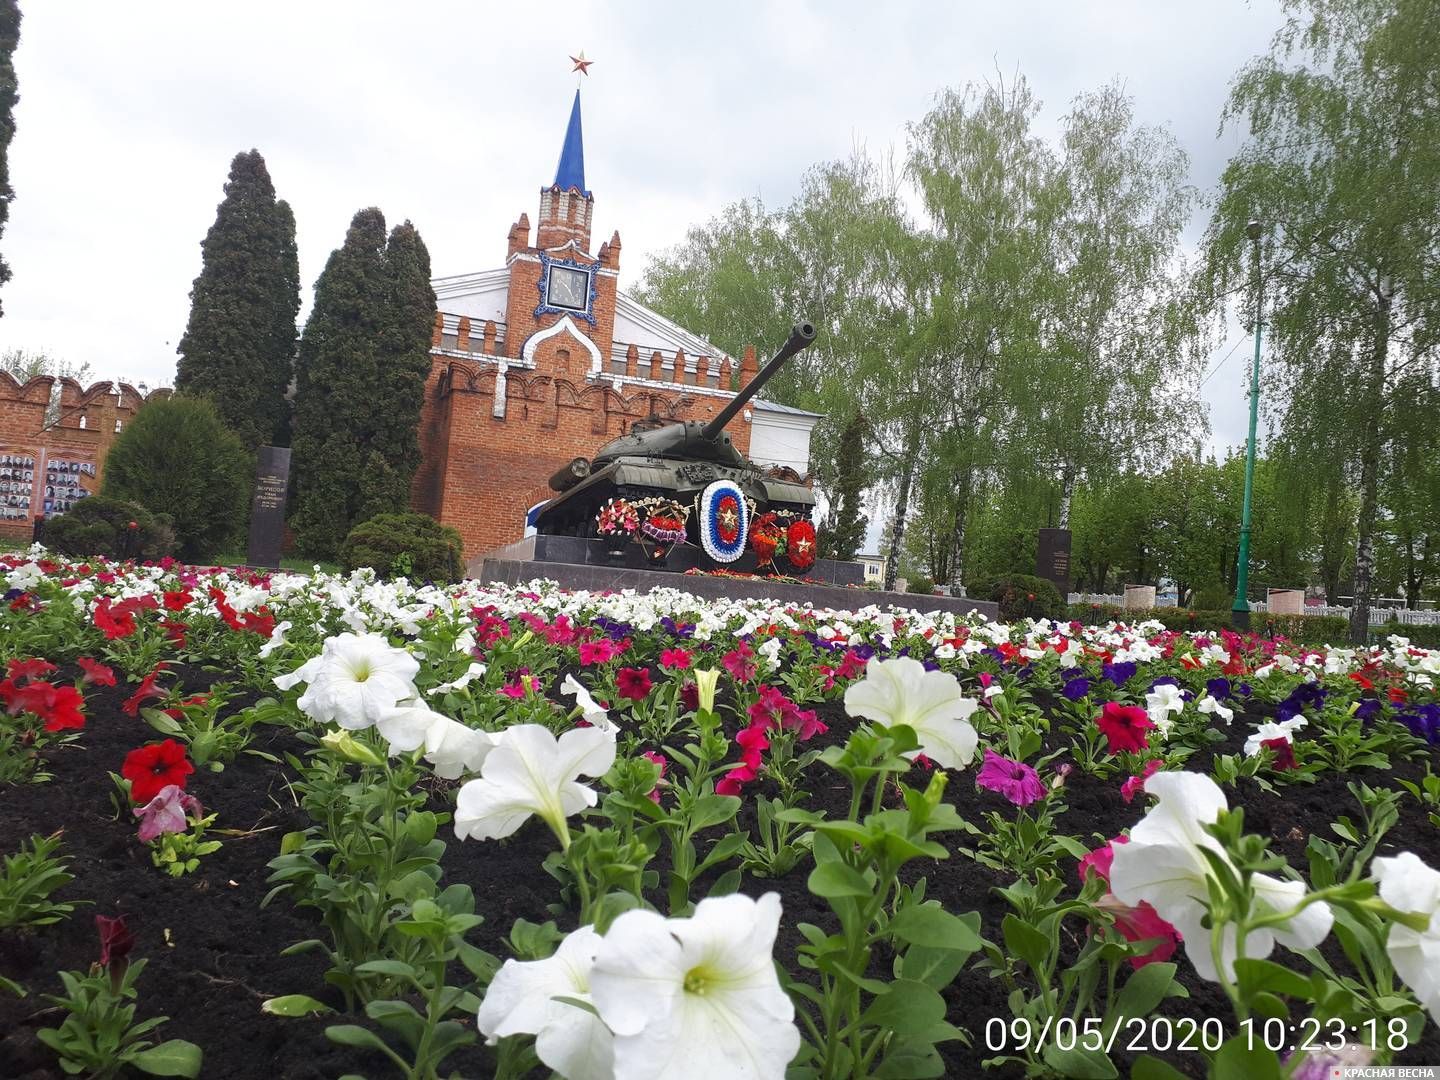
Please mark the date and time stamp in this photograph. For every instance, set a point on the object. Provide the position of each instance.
(1162, 1034)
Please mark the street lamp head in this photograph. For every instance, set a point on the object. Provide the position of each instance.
(1253, 229)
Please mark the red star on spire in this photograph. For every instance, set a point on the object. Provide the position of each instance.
(581, 64)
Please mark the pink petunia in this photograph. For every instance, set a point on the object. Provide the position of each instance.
(675, 659)
(1136, 784)
(1015, 780)
(166, 813)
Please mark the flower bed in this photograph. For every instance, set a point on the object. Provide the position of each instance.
(363, 828)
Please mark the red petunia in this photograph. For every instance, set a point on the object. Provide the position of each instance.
(113, 622)
(58, 706)
(1124, 727)
(116, 939)
(178, 600)
(633, 683)
(33, 668)
(153, 766)
(95, 672)
(259, 621)
(146, 689)
(1284, 752)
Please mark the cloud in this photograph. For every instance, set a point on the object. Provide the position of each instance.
(451, 114)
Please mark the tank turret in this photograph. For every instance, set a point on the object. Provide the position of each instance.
(674, 464)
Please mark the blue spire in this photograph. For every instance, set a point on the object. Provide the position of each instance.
(570, 173)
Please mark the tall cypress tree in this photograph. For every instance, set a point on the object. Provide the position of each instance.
(9, 95)
(360, 383)
(403, 364)
(239, 346)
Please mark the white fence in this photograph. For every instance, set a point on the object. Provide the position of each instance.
(1378, 615)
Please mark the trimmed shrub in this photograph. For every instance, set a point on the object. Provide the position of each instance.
(1421, 635)
(1303, 629)
(101, 526)
(414, 546)
(1213, 597)
(1021, 596)
(178, 458)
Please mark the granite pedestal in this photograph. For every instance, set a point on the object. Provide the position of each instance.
(576, 563)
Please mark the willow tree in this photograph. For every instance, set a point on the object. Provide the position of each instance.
(1117, 347)
(984, 177)
(1341, 165)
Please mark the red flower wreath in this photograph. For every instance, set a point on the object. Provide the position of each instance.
(800, 544)
(767, 538)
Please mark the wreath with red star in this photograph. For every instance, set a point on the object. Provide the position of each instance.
(800, 544)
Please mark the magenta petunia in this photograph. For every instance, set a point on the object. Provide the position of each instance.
(1015, 780)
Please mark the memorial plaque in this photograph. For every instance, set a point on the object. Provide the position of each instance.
(1053, 559)
(267, 507)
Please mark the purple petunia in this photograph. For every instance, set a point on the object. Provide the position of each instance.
(1120, 673)
(1077, 688)
(1015, 780)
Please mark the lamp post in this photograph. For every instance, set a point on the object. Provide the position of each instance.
(1240, 610)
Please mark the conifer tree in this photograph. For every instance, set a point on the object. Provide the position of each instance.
(239, 346)
(845, 523)
(9, 95)
(360, 381)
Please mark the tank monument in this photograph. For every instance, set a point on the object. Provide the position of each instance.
(679, 499)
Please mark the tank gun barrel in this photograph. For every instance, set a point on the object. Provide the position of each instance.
(802, 335)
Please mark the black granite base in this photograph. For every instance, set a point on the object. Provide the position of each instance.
(583, 552)
(521, 562)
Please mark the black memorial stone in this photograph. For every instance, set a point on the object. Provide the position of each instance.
(1053, 559)
(267, 507)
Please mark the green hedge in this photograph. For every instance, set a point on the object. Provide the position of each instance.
(1306, 629)
(1020, 596)
(101, 526)
(1425, 637)
(413, 546)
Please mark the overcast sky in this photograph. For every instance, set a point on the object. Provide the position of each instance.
(451, 114)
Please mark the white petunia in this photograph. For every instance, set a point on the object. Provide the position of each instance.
(451, 747)
(590, 710)
(277, 638)
(1408, 885)
(521, 1000)
(1211, 705)
(353, 680)
(1162, 864)
(528, 772)
(470, 674)
(1285, 729)
(696, 997)
(1160, 702)
(901, 691)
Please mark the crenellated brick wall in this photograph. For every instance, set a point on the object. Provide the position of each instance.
(88, 420)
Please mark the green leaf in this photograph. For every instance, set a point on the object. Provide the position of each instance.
(712, 810)
(355, 1035)
(1080, 1063)
(930, 924)
(396, 968)
(907, 1008)
(1026, 942)
(834, 879)
(294, 1005)
(292, 842)
(1239, 1060)
(1255, 976)
(1145, 989)
(1149, 1068)
(173, 1058)
(934, 967)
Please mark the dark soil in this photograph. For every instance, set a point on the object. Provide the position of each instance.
(214, 955)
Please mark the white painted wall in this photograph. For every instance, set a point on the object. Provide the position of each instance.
(781, 439)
